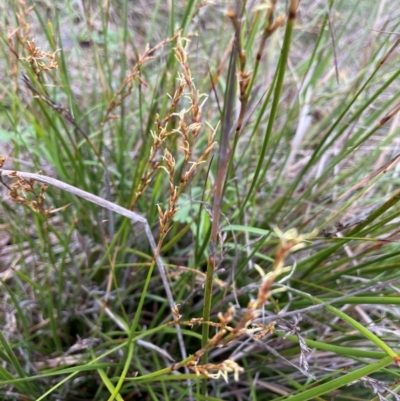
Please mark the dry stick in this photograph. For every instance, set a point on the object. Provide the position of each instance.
(135, 217)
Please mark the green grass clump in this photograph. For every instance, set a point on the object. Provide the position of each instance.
(199, 201)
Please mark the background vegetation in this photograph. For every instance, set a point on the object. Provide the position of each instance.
(199, 200)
